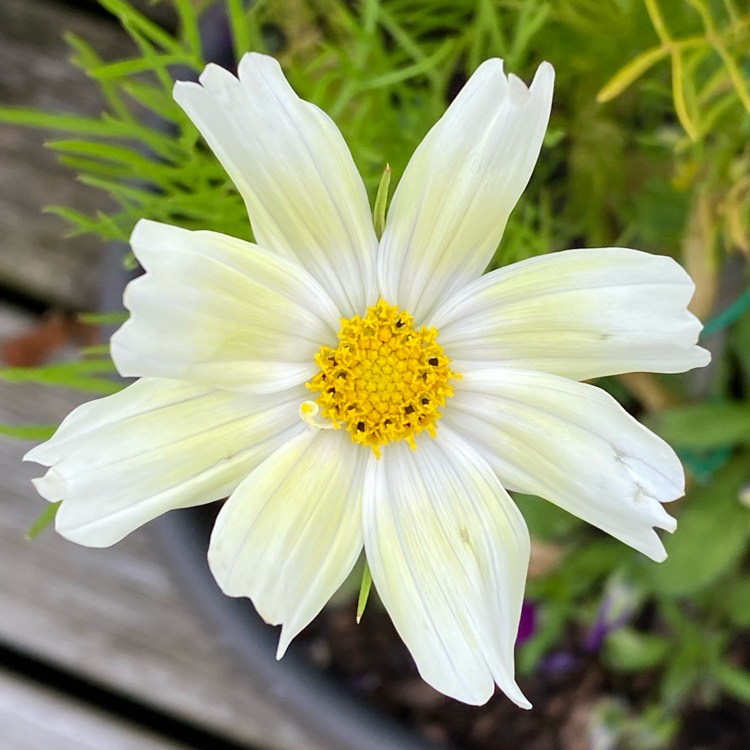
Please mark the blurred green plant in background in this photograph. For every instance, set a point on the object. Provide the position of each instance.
(648, 147)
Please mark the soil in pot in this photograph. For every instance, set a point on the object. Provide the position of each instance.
(370, 661)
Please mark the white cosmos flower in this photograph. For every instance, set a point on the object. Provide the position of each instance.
(245, 350)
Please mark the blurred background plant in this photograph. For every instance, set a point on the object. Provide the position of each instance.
(648, 147)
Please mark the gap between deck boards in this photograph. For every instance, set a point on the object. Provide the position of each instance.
(180, 733)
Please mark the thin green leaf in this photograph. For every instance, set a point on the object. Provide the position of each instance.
(133, 20)
(135, 65)
(119, 190)
(679, 85)
(734, 680)
(103, 319)
(364, 591)
(155, 99)
(532, 17)
(713, 521)
(153, 55)
(28, 431)
(78, 124)
(736, 603)
(135, 164)
(91, 167)
(98, 350)
(411, 71)
(189, 29)
(83, 224)
(87, 59)
(658, 21)
(78, 375)
(489, 14)
(631, 72)
(118, 231)
(404, 39)
(45, 518)
(238, 24)
(381, 201)
(104, 127)
(629, 650)
(109, 151)
(704, 426)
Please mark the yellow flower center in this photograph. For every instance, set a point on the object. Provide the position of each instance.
(385, 381)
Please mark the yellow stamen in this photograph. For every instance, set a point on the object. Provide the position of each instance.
(384, 381)
(309, 412)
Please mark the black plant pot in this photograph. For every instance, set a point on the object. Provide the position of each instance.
(324, 708)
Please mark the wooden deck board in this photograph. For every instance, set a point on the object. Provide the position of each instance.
(114, 615)
(35, 258)
(35, 718)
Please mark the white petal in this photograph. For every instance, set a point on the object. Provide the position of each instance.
(452, 204)
(448, 551)
(289, 161)
(292, 531)
(579, 313)
(573, 444)
(217, 310)
(120, 461)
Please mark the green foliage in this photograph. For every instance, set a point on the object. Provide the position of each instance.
(629, 650)
(36, 432)
(616, 726)
(714, 521)
(364, 590)
(94, 376)
(737, 603)
(385, 71)
(381, 201)
(648, 146)
(45, 518)
(704, 425)
(545, 521)
(708, 86)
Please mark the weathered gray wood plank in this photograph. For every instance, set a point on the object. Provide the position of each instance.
(33, 717)
(115, 616)
(112, 616)
(35, 258)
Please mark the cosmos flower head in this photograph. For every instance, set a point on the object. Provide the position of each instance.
(347, 392)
